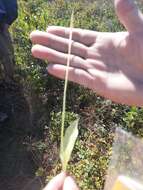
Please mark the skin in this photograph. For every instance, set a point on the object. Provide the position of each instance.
(62, 182)
(111, 64)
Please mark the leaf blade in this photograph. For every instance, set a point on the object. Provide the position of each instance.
(69, 140)
(66, 77)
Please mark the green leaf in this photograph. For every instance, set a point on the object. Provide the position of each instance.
(69, 140)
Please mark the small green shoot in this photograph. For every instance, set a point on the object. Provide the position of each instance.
(71, 134)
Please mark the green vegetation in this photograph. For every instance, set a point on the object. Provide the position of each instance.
(98, 117)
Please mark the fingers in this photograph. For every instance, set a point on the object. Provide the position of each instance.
(75, 75)
(129, 15)
(85, 37)
(58, 43)
(95, 81)
(62, 182)
(69, 184)
(92, 79)
(54, 56)
(57, 182)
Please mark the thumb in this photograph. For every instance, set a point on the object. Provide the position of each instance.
(69, 184)
(129, 15)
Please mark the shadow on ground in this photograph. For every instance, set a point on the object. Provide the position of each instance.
(17, 169)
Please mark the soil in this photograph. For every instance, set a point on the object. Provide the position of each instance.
(17, 167)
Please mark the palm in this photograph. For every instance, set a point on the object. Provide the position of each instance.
(115, 61)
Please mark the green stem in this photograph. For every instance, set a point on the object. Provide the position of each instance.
(66, 81)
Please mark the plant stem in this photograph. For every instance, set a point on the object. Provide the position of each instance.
(66, 80)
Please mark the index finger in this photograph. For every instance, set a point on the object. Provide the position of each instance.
(86, 37)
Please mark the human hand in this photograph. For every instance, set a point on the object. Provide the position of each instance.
(61, 182)
(111, 64)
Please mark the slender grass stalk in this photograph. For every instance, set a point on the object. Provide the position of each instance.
(66, 80)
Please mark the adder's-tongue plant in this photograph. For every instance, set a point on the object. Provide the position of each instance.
(69, 137)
